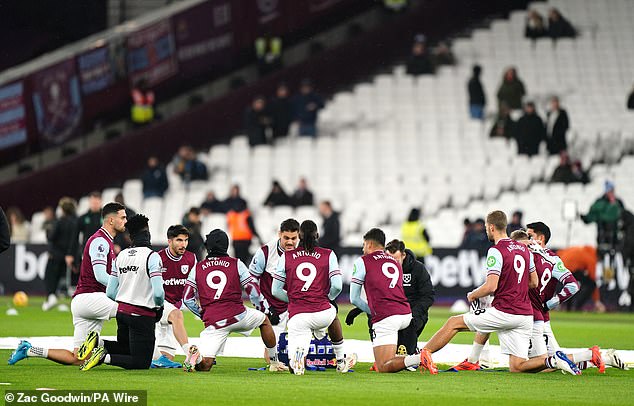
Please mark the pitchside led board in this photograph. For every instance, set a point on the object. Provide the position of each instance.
(454, 273)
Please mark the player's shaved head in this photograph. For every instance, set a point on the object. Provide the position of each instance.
(519, 235)
(497, 219)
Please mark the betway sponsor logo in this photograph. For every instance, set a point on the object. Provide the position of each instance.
(174, 282)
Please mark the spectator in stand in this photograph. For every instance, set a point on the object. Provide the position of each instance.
(123, 240)
(477, 99)
(18, 225)
(466, 230)
(268, 50)
(281, 108)
(49, 221)
(196, 244)
(511, 90)
(569, 172)
(535, 27)
(234, 201)
(5, 232)
(557, 125)
(242, 230)
(154, 179)
(330, 237)
(420, 61)
(630, 100)
(443, 54)
(530, 131)
(504, 126)
(302, 196)
(558, 26)
(582, 262)
(187, 166)
(212, 205)
(476, 238)
(516, 222)
(89, 222)
(257, 121)
(415, 236)
(606, 212)
(142, 111)
(627, 222)
(307, 106)
(277, 196)
(62, 248)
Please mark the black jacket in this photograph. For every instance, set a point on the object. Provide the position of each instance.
(282, 111)
(63, 239)
(417, 285)
(88, 224)
(331, 237)
(476, 92)
(530, 133)
(154, 181)
(627, 218)
(557, 140)
(5, 234)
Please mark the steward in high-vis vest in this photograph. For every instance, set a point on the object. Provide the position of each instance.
(415, 236)
(142, 111)
(268, 50)
(241, 230)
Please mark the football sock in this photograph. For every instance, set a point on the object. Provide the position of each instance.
(551, 362)
(106, 359)
(581, 356)
(476, 350)
(272, 354)
(100, 342)
(39, 352)
(412, 360)
(185, 347)
(583, 365)
(338, 348)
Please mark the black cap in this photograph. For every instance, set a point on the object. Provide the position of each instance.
(217, 242)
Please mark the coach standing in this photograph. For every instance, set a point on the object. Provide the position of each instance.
(136, 284)
(420, 295)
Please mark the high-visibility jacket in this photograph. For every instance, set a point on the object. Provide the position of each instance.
(142, 106)
(238, 225)
(412, 235)
(268, 48)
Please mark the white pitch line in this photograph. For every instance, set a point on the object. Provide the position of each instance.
(252, 347)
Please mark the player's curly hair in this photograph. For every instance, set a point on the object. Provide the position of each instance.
(308, 235)
(136, 224)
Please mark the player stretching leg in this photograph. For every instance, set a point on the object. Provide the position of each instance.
(539, 234)
(387, 304)
(136, 284)
(90, 306)
(312, 278)
(177, 263)
(511, 313)
(549, 267)
(213, 292)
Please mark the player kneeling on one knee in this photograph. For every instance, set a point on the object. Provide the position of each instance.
(213, 292)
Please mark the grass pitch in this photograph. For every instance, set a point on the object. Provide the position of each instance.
(230, 382)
